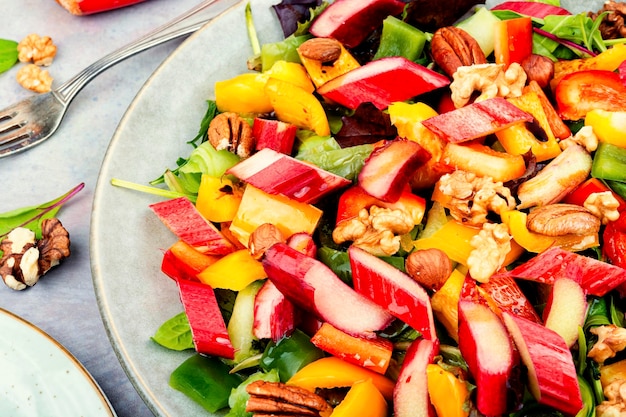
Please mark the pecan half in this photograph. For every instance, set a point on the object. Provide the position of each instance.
(324, 50)
(452, 47)
(231, 132)
(562, 219)
(276, 398)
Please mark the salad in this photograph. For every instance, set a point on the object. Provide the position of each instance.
(391, 243)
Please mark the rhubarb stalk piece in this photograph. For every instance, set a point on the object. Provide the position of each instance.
(314, 287)
(277, 173)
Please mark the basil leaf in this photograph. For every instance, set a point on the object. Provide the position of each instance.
(8, 54)
(175, 333)
(31, 217)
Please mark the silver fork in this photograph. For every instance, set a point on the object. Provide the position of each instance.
(33, 120)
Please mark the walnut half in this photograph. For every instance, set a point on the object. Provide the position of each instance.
(24, 259)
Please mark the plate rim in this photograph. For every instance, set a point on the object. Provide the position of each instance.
(86, 375)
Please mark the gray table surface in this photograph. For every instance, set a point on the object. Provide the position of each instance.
(63, 303)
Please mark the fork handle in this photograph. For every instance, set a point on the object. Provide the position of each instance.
(185, 24)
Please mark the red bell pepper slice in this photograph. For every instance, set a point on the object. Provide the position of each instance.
(513, 40)
(356, 198)
(83, 7)
(592, 185)
(582, 91)
(614, 237)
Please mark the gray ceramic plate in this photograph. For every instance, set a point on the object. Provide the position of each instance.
(40, 377)
(127, 240)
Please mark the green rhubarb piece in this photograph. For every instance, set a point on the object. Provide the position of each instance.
(400, 39)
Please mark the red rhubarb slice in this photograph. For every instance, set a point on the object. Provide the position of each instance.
(410, 395)
(274, 134)
(595, 277)
(186, 222)
(392, 289)
(508, 296)
(382, 82)
(476, 120)
(274, 315)
(551, 371)
(351, 21)
(486, 346)
(277, 173)
(208, 329)
(312, 286)
(388, 169)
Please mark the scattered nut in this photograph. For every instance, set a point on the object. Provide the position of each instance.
(452, 47)
(615, 402)
(611, 339)
(491, 245)
(34, 78)
(539, 68)
(603, 205)
(585, 137)
(231, 132)
(276, 398)
(376, 230)
(491, 80)
(324, 50)
(263, 238)
(561, 219)
(36, 49)
(473, 197)
(430, 267)
(25, 260)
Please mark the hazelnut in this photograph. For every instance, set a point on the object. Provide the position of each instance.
(429, 267)
(539, 68)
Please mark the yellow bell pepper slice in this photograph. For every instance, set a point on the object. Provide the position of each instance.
(234, 271)
(363, 400)
(321, 72)
(448, 394)
(243, 94)
(295, 105)
(609, 126)
(454, 239)
(608, 60)
(218, 198)
(332, 372)
(293, 73)
(445, 302)
(258, 207)
(517, 139)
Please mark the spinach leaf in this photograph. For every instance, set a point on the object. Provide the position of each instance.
(32, 216)
(175, 333)
(8, 54)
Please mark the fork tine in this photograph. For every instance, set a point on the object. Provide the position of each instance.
(17, 132)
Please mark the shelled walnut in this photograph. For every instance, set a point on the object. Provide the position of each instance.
(34, 78)
(24, 259)
(40, 50)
